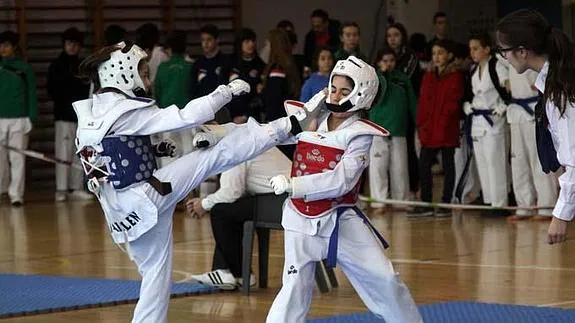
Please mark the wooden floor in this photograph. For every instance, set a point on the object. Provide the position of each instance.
(465, 257)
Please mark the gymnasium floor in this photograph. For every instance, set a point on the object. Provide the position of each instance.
(465, 257)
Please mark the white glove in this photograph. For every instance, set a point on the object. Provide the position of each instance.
(238, 87)
(312, 104)
(467, 108)
(500, 109)
(309, 112)
(280, 184)
(205, 140)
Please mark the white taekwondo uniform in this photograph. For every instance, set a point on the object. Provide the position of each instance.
(530, 184)
(117, 129)
(489, 136)
(325, 181)
(562, 128)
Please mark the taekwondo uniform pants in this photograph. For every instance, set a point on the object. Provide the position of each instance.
(362, 259)
(530, 184)
(152, 252)
(14, 133)
(388, 167)
(490, 152)
(67, 178)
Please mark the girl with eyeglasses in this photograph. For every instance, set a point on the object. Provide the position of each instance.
(528, 42)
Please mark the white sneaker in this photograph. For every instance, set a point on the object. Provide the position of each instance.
(253, 281)
(60, 196)
(80, 195)
(219, 278)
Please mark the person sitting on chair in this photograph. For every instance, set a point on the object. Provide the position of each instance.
(229, 207)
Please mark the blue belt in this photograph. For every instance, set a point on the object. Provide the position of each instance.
(333, 239)
(524, 103)
(469, 122)
(485, 113)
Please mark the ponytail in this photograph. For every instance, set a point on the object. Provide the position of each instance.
(527, 28)
(560, 83)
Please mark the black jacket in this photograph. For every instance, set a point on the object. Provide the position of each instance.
(65, 87)
(310, 46)
(251, 72)
(208, 73)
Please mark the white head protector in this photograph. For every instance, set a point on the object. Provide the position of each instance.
(365, 87)
(121, 70)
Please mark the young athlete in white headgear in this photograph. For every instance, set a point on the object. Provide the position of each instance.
(138, 200)
(321, 218)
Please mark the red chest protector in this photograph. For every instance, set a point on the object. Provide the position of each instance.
(321, 152)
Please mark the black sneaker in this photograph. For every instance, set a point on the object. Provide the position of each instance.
(17, 204)
(442, 212)
(420, 211)
(496, 213)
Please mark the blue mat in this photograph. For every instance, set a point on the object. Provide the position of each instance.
(34, 294)
(468, 312)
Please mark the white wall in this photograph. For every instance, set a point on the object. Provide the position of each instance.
(263, 15)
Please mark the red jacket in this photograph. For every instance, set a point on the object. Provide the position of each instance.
(439, 108)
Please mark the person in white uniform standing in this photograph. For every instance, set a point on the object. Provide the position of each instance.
(488, 125)
(528, 42)
(321, 218)
(530, 184)
(18, 109)
(138, 200)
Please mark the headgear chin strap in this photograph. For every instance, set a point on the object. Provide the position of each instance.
(334, 107)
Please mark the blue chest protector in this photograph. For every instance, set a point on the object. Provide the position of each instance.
(131, 159)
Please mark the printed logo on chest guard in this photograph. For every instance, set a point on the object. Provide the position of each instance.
(315, 156)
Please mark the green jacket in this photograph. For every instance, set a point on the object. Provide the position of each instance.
(401, 79)
(17, 90)
(395, 103)
(342, 54)
(172, 83)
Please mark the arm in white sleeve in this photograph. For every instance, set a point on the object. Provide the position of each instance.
(338, 181)
(565, 128)
(565, 206)
(232, 187)
(502, 70)
(153, 120)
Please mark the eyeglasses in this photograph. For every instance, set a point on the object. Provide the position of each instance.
(502, 51)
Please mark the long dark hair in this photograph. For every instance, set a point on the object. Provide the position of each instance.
(529, 29)
(280, 55)
(404, 37)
